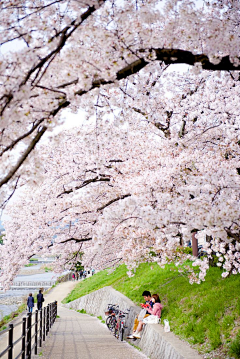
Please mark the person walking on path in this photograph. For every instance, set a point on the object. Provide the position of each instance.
(30, 303)
(81, 273)
(40, 300)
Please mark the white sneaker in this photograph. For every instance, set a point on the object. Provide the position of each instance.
(137, 335)
(130, 336)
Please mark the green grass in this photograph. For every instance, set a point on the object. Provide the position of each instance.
(101, 319)
(234, 349)
(206, 315)
(8, 318)
(82, 311)
(30, 265)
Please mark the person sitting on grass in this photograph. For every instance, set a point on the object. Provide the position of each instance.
(155, 310)
(147, 297)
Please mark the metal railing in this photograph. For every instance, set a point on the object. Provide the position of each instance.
(33, 283)
(33, 333)
(39, 284)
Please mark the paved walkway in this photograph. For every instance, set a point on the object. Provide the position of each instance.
(75, 335)
(80, 336)
(58, 293)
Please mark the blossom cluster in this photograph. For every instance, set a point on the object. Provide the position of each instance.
(157, 157)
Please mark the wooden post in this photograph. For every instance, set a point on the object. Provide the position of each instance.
(29, 335)
(47, 320)
(23, 337)
(44, 323)
(40, 329)
(36, 332)
(10, 341)
(194, 245)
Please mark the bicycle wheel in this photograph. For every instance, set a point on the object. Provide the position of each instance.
(110, 322)
(121, 332)
(116, 329)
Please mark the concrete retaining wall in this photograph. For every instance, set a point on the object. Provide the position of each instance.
(155, 343)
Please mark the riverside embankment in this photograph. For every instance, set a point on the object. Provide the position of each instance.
(57, 293)
(205, 315)
(33, 277)
(154, 343)
(75, 335)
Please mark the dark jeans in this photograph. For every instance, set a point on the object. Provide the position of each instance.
(39, 305)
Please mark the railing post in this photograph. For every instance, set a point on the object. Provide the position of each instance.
(55, 309)
(10, 341)
(36, 332)
(44, 323)
(29, 334)
(23, 337)
(40, 329)
(50, 315)
(47, 322)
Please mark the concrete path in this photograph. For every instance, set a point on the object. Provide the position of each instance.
(80, 336)
(75, 335)
(58, 293)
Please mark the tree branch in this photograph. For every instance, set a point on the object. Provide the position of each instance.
(113, 200)
(24, 156)
(177, 56)
(85, 183)
(77, 240)
(168, 56)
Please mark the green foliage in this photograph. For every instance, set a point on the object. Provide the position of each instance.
(8, 318)
(1, 238)
(234, 349)
(213, 262)
(185, 250)
(97, 281)
(78, 267)
(30, 265)
(82, 311)
(205, 315)
(101, 319)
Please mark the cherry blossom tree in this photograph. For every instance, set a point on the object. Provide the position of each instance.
(158, 156)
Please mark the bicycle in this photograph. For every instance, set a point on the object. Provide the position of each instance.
(120, 324)
(111, 320)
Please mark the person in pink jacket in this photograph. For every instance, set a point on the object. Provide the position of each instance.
(155, 310)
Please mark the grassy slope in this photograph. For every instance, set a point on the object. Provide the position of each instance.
(207, 315)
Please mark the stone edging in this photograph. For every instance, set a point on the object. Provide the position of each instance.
(154, 342)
